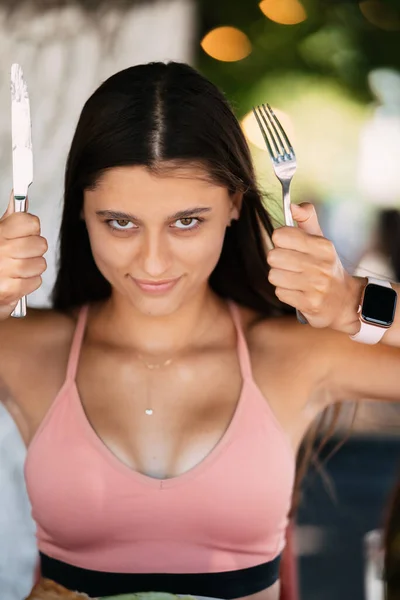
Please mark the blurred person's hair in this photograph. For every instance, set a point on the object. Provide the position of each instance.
(162, 117)
(392, 548)
(388, 234)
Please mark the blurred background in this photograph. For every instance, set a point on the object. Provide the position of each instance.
(331, 71)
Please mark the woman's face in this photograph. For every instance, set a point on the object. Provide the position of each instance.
(157, 239)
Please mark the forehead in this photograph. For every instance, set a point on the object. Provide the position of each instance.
(137, 185)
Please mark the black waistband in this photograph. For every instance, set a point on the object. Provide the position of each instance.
(227, 584)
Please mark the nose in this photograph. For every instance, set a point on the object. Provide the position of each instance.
(156, 258)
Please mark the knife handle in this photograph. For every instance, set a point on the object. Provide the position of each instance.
(20, 310)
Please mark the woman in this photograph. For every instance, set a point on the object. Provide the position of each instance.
(155, 461)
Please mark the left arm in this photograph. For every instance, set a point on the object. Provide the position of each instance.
(308, 275)
(356, 371)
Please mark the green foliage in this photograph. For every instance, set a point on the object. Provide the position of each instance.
(335, 41)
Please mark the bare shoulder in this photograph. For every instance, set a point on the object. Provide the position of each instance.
(283, 335)
(290, 358)
(321, 364)
(313, 345)
(30, 343)
(311, 353)
(285, 357)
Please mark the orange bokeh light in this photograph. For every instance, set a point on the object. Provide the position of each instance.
(227, 44)
(285, 12)
(252, 131)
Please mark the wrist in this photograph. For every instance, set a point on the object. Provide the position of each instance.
(348, 320)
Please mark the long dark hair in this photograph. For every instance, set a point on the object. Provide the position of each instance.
(155, 115)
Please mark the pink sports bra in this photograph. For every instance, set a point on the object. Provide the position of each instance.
(103, 528)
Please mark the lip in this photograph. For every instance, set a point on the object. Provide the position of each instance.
(156, 287)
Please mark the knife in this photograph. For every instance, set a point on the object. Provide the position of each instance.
(22, 157)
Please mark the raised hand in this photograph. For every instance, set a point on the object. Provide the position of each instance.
(308, 274)
(21, 257)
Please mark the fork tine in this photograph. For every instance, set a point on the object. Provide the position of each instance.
(267, 122)
(264, 133)
(270, 115)
(285, 137)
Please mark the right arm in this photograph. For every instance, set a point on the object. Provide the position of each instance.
(21, 267)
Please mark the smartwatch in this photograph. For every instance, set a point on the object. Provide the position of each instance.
(376, 310)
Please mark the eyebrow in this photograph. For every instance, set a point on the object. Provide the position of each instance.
(181, 214)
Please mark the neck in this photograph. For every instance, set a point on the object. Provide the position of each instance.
(118, 322)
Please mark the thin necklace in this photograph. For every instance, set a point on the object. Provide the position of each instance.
(148, 365)
(151, 366)
(149, 410)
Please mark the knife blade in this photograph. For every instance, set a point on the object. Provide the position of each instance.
(22, 156)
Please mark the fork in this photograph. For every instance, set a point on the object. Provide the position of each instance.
(283, 161)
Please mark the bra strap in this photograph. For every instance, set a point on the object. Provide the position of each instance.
(77, 342)
(242, 347)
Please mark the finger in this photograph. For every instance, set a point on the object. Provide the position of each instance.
(294, 298)
(306, 218)
(316, 270)
(314, 281)
(290, 238)
(293, 238)
(16, 288)
(289, 260)
(287, 280)
(22, 225)
(29, 267)
(311, 305)
(27, 247)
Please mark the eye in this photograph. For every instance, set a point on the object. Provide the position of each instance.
(121, 224)
(188, 223)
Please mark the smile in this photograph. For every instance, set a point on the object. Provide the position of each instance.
(156, 287)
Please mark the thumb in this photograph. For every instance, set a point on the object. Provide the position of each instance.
(10, 207)
(306, 217)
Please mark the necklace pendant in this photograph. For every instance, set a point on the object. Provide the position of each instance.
(149, 411)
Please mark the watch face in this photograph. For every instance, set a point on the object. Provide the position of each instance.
(379, 305)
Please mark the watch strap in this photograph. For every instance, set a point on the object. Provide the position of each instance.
(368, 333)
(381, 282)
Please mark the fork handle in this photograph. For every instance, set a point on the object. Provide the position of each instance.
(287, 213)
(290, 223)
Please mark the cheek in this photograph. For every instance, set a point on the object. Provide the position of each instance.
(203, 253)
(108, 252)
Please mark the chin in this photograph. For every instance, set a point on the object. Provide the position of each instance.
(157, 306)
(164, 305)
